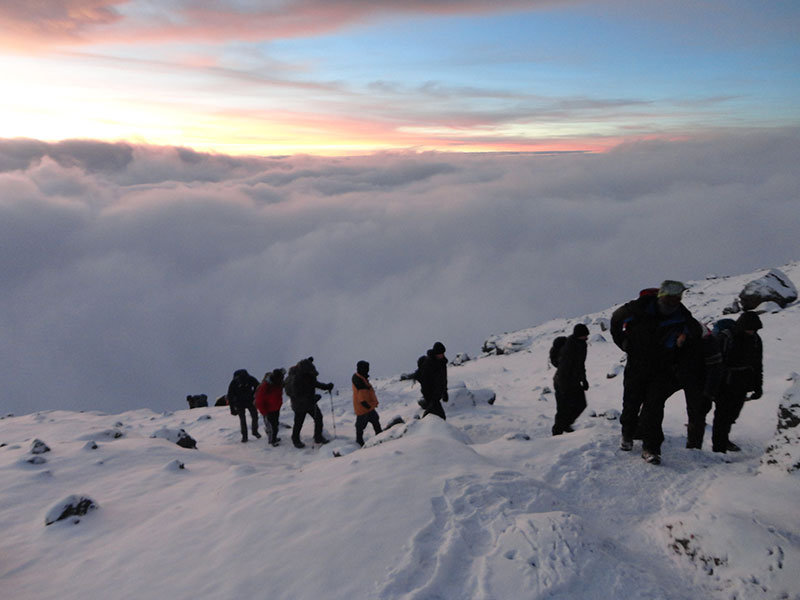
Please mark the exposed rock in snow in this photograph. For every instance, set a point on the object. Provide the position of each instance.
(175, 465)
(460, 359)
(775, 286)
(39, 447)
(176, 436)
(784, 451)
(458, 393)
(768, 307)
(71, 508)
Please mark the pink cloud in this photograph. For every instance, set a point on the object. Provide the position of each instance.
(58, 22)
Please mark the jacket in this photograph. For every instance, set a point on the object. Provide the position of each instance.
(364, 398)
(651, 339)
(241, 389)
(571, 369)
(433, 377)
(269, 397)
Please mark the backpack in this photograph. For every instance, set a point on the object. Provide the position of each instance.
(290, 381)
(555, 349)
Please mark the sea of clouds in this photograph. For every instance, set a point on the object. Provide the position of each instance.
(134, 275)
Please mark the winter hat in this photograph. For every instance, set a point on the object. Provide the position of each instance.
(362, 368)
(580, 330)
(438, 348)
(671, 288)
(749, 321)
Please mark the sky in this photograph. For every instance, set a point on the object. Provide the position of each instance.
(190, 190)
(353, 77)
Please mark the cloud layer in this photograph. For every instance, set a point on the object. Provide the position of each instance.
(136, 275)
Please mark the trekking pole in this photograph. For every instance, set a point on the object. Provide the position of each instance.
(333, 417)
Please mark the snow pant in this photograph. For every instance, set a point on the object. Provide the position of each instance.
(271, 426)
(300, 413)
(433, 406)
(698, 406)
(727, 408)
(570, 403)
(242, 411)
(361, 423)
(634, 389)
(660, 386)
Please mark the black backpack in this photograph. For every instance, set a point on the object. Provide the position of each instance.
(555, 349)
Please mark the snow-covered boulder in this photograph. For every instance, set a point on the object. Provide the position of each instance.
(775, 286)
(71, 507)
(176, 436)
(460, 359)
(784, 451)
(458, 393)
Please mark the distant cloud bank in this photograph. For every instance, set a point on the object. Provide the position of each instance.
(135, 275)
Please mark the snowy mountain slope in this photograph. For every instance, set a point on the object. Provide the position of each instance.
(486, 505)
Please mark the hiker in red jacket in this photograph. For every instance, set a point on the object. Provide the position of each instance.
(269, 399)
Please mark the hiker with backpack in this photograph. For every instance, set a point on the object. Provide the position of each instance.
(269, 399)
(301, 385)
(365, 401)
(652, 330)
(568, 355)
(699, 373)
(432, 376)
(240, 398)
(743, 372)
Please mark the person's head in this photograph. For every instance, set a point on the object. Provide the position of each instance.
(276, 376)
(580, 331)
(362, 368)
(240, 373)
(439, 349)
(749, 322)
(669, 296)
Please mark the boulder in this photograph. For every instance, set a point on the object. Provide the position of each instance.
(39, 447)
(176, 436)
(775, 286)
(784, 451)
(71, 507)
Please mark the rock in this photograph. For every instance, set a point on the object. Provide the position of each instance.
(784, 451)
(775, 286)
(90, 445)
(460, 359)
(39, 447)
(767, 307)
(733, 308)
(198, 401)
(176, 436)
(615, 370)
(70, 507)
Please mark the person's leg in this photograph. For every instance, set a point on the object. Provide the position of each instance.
(299, 417)
(361, 423)
(243, 423)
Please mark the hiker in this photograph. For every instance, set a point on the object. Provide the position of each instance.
(301, 385)
(432, 376)
(570, 380)
(269, 399)
(699, 372)
(743, 372)
(652, 331)
(365, 401)
(240, 398)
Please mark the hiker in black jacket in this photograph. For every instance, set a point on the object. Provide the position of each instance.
(699, 373)
(241, 392)
(743, 372)
(432, 376)
(301, 386)
(652, 330)
(570, 380)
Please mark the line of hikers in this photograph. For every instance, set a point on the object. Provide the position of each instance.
(667, 350)
(247, 395)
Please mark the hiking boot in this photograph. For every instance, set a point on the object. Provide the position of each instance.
(731, 447)
(244, 439)
(626, 444)
(298, 444)
(568, 429)
(651, 457)
(257, 435)
(321, 440)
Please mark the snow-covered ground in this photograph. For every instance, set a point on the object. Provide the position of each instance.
(486, 505)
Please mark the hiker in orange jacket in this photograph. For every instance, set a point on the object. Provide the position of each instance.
(364, 402)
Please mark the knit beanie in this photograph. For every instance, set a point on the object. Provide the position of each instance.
(580, 330)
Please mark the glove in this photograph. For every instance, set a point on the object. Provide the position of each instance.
(365, 405)
(757, 393)
(329, 387)
(585, 385)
